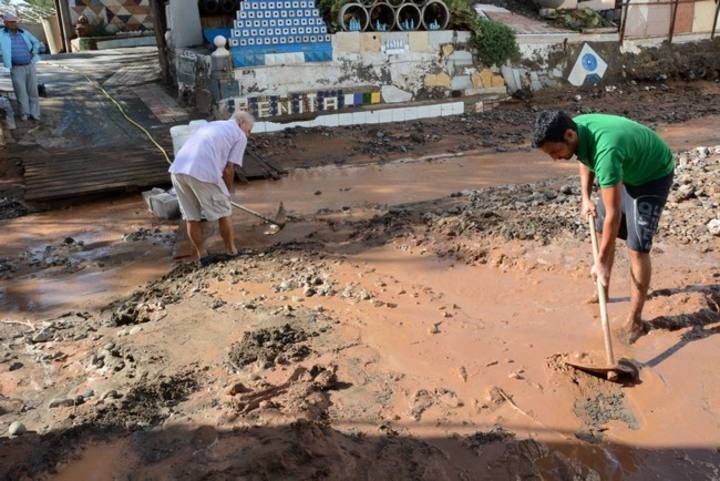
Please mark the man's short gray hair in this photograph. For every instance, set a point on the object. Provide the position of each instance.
(242, 117)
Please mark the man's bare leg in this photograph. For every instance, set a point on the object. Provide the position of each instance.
(640, 273)
(228, 235)
(194, 229)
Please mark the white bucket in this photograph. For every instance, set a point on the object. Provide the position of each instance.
(180, 134)
(196, 124)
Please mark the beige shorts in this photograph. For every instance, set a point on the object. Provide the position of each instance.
(200, 200)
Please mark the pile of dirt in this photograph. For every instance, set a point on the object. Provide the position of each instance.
(681, 61)
(269, 347)
(148, 304)
(303, 396)
(146, 404)
(691, 214)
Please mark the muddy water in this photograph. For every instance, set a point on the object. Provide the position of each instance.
(691, 134)
(503, 326)
(307, 190)
(105, 265)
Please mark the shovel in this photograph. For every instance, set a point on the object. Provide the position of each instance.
(276, 224)
(624, 370)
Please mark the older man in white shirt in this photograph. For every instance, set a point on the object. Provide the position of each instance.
(203, 174)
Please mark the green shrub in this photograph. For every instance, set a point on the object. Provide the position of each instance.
(494, 42)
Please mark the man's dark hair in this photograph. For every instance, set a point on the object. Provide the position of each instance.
(550, 126)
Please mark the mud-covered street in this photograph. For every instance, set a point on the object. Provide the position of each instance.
(411, 322)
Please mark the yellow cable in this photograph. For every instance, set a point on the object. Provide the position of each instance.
(120, 108)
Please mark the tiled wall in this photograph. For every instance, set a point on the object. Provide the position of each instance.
(371, 117)
(118, 15)
(298, 103)
(279, 32)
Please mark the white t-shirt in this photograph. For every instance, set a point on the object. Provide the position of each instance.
(208, 150)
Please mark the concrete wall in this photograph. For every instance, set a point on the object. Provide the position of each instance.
(367, 68)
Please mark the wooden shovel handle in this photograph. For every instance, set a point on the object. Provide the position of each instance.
(602, 300)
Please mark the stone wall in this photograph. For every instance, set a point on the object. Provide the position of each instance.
(117, 15)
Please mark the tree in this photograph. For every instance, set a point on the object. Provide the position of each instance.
(32, 10)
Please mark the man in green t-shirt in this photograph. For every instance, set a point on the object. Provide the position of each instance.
(633, 167)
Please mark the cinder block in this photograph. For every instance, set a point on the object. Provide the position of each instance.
(398, 115)
(437, 38)
(344, 120)
(373, 117)
(370, 42)
(458, 108)
(331, 120)
(359, 118)
(458, 61)
(411, 113)
(385, 116)
(423, 112)
(434, 110)
(461, 82)
(419, 41)
(462, 36)
(446, 109)
(346, 42)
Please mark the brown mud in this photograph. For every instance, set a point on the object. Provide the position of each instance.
(414, 331)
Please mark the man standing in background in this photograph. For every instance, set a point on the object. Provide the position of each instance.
(20, 52)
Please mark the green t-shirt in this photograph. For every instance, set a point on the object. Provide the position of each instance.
(618, 150)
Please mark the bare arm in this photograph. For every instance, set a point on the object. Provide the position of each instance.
(229, 177)
(611, 197)
(586, 181)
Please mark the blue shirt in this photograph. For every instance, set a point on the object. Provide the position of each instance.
(20, 51)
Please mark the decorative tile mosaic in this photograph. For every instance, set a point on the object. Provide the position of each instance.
(267, 28)
(278, 106)
(117, 15)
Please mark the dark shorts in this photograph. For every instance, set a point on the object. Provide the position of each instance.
(642, 206)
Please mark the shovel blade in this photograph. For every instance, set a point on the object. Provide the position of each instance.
(625, 371)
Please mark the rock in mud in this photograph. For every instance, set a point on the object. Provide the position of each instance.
(64, 403)
(421, 401)
(15, 366)
(714, 227)
(495, 435)
(16, 429)
(267, 346)
(43, 335)
(147, 403)
(448, 398)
